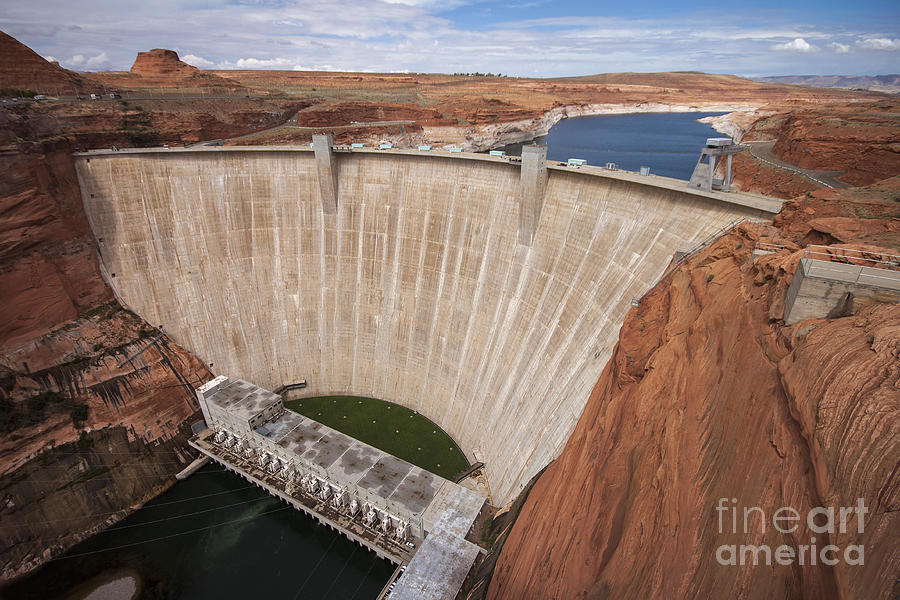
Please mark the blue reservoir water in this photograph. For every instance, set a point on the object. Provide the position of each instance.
(668, 143)
(214, 537)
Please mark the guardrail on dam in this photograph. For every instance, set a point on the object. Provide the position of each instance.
(417, 288)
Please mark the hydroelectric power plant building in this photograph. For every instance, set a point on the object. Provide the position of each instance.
(376, 499)
(401, 500)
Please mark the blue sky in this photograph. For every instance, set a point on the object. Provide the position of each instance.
(526, 38)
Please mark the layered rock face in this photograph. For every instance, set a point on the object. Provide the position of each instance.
(860, 217)
(48, 267)
(97, 392)
(94, 404)
(23, 69)
(709, 401)
(862, 142)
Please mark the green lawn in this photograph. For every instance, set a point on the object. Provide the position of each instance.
(389, 427)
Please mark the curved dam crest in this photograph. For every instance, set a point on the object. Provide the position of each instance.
(415, 291)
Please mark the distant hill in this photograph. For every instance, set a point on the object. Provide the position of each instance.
(876, 83)
(21, 68)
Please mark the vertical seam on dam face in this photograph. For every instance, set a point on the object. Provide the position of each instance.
(415, 289)
(533, 180)
(326, 172)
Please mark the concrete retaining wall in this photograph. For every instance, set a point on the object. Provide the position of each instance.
(823, 289)
(415, 291)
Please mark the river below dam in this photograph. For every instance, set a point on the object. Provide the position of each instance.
(213, 536)
(668, 143)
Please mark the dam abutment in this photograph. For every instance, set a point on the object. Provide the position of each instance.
(415, 290)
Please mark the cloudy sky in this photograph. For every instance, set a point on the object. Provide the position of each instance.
(526, 38)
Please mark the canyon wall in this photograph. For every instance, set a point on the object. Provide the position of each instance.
(708, 397)
(94, 419)
(416, 291)
(94, 404)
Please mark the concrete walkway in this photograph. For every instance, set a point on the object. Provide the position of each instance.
(763, 151)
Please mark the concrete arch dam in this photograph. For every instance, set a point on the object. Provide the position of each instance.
(417, 287)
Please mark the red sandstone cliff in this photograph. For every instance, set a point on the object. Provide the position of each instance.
(21, 68)
(862, 142)
(48, 268)
(709, 396)
(94, 416)
(83, 383)
(163, 68)
(75, 369)
(161, 62)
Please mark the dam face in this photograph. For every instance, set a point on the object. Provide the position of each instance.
(416, 290)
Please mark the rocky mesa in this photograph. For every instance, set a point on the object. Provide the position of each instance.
(161, 62)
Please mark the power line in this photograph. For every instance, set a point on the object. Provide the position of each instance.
(66, 453)
(207, 472)
(166, 537)
(119, 527)
(316, 568)
(365, 577)
(191, 514)
(137, 464)
(106, 514)
(341, 572)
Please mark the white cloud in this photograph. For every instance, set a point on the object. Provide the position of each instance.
(316, 68)
(879, 44)
(50, 59)
(839, 48)
(797, 45)
(97, 61)
(260, 63)
(79, 62)
(197, 61)
(423, 36)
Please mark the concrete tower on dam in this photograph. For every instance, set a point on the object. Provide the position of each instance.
(413, 282)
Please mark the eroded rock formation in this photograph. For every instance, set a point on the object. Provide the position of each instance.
(161, 67)
(161, 62)
(860, 141)
(707, 397)
(24, 70)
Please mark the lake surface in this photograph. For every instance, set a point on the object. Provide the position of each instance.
(668, 143)
(216, 536)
